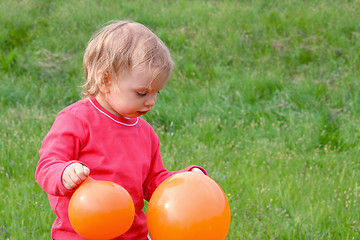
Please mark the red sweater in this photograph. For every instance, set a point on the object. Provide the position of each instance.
(124, 151)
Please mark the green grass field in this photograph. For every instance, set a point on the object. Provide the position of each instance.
(265, 95)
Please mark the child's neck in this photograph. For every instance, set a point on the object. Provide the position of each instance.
(100, 98)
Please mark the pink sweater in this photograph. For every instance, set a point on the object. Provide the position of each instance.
(124, 151)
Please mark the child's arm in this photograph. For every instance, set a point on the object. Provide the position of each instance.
(159, 173)
(59, 151)
(198, 170)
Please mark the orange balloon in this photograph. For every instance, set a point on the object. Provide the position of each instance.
(101, 210)
(188, 206)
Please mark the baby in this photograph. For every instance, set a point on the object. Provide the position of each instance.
(102, 135)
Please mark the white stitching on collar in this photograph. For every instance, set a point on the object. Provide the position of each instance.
(129, 125)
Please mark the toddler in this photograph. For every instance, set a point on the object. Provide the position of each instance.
(102, 135)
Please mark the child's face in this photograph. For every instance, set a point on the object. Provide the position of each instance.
(131, 95)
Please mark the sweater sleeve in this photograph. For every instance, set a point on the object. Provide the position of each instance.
(59, 149)
(158, 173)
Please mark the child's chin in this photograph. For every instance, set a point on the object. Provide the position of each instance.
(135, 115)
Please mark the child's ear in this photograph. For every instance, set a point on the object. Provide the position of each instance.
(105, 82)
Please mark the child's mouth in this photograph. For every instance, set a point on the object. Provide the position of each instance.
(142, 112)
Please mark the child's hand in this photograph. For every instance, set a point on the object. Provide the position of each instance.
(74, 174)
(197, 170)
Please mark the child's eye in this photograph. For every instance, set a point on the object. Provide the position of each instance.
(141, 93)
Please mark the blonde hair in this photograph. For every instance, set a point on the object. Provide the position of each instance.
(118, 48)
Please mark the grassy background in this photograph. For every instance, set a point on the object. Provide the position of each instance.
(265, 96)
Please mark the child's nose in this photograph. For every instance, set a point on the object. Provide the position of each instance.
(150, 102)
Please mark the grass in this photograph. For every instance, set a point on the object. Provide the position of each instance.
(265, 96)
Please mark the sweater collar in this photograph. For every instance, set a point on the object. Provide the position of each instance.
(121, 120)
